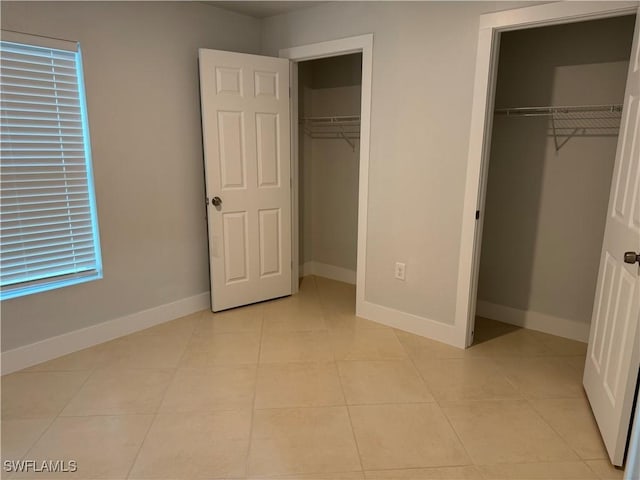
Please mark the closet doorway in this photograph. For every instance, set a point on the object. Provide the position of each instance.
(613, 351)
(557, 116)
(330, 117)
(329, 92)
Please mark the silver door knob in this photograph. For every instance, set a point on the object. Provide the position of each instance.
(631, 257)
(216, 201)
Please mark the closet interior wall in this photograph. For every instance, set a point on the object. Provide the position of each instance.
(328, 169)
(545, 208)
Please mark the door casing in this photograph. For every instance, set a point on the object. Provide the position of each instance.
(345, 46)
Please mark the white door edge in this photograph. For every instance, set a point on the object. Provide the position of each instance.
(246, 127)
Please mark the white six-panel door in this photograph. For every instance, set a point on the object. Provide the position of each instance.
(246, 131)
(613, 356)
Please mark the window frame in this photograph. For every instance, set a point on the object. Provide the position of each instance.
(52, 282)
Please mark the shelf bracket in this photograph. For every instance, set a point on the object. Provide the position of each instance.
(561, 144)
(346, 139)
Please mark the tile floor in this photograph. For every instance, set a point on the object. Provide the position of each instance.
(300, 388)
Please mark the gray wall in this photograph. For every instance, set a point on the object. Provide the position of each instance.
(423, 69)
(329, 167)
(545, 211)
(141, 77)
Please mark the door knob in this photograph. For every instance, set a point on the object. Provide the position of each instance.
(631, 257)
(216, 201)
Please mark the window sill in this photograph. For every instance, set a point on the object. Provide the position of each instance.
(21, 291)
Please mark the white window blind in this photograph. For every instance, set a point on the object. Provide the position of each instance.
(48, 217)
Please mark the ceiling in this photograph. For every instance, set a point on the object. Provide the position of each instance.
(264, 8)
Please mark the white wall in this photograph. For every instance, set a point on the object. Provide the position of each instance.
(423, 70)
(329, 173)
(546, 209)
(141, 77)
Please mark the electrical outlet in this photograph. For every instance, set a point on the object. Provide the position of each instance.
(399, 272)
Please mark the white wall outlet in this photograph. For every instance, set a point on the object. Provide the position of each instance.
(399, 272)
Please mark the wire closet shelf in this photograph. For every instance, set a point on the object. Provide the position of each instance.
(345, 127)
(567, 122)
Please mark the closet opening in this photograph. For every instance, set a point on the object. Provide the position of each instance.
(548, 182)
(334, 51)
(557, 114)
(329, 93)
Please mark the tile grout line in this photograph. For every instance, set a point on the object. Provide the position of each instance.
(255, 392)
(529, 400)
(344, 396)
(144, 438)
(524, 397)
(304, 407)
(288, 476)
(33, 444)
(325, 302)
(594, 472)
(164, 394)
(59, 412)
(561, 437)
(91, 372)
(464, 448)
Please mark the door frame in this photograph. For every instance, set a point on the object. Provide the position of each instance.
(333, 48)
(491, 26)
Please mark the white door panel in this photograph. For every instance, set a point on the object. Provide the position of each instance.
(246, 129)
(613, 356)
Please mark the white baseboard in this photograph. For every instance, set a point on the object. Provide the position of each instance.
(329, 271)
(408, 322)
(562, 327)
(50, 348)
(390, 317)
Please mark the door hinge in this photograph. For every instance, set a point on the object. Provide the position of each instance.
(477, 214)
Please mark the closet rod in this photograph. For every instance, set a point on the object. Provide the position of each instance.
(334, 119)
(551, 110)
(345, 127)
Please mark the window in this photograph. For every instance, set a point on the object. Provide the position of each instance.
(48, 218)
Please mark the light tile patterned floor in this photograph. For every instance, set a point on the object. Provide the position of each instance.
(300, 388)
